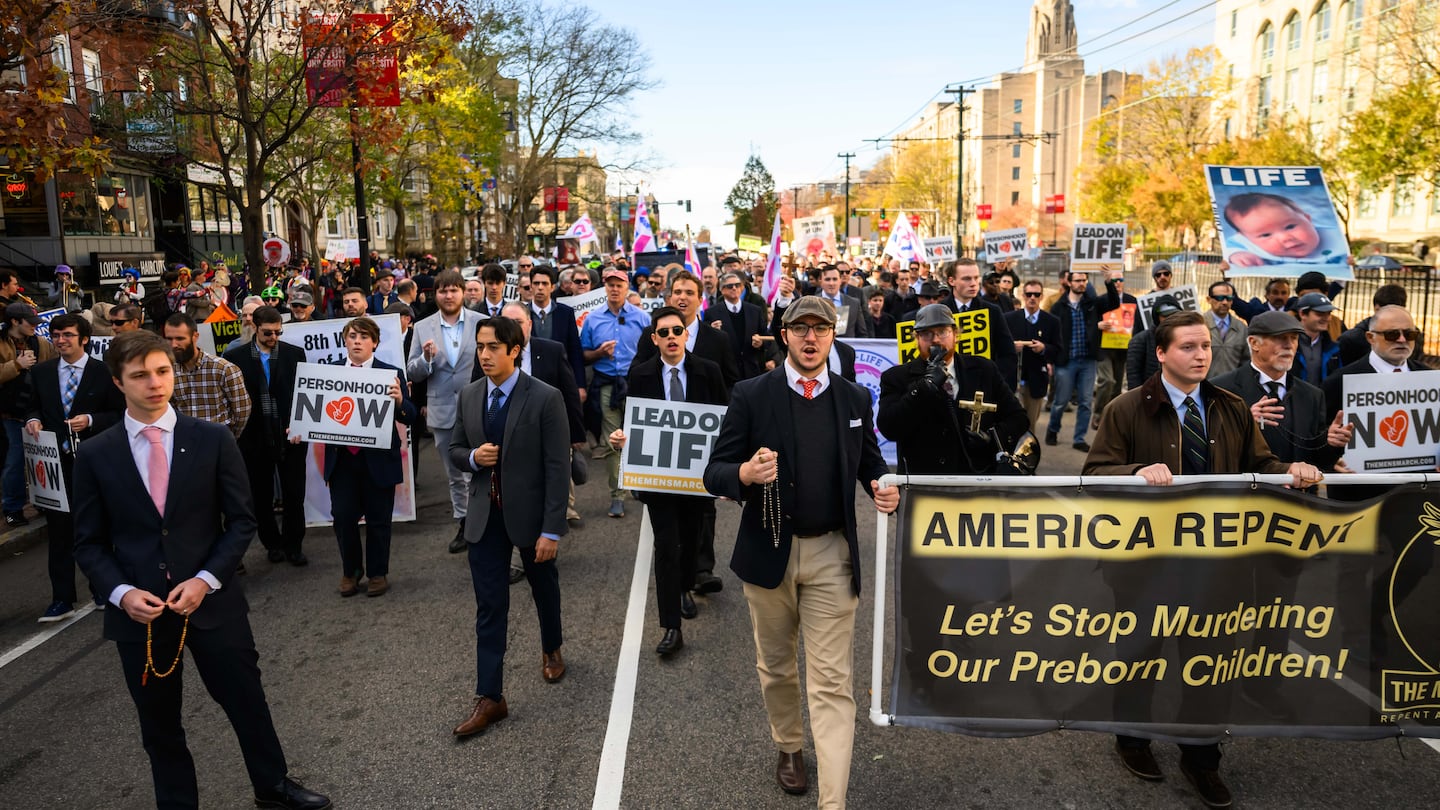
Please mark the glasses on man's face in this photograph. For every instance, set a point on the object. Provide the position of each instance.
(271, 332)
(731, 286)
(526, 266)
(581, 282)
(1393, 335)
(1222, 298)
(64, 336)
(120, 322)
(1163, 274)
(1029, 294)
(801, 330)
(524, 287)
(670, 331)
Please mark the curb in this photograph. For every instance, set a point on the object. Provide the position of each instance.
(23, 539)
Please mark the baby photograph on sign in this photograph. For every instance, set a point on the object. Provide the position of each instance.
(1277, 221)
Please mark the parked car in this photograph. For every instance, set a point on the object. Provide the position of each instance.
(1393, 262)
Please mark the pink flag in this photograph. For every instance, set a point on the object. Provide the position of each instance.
(644, 235)
(583, 230)
(771, 285)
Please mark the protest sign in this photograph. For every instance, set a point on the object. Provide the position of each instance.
(1277, 221)
(651, 304)
(1195, 611)
(343, 405)
(342, 250)
(512, 286)
(972, 335)
(1186, 295)
(667, 445)
(1396, 419)
(1007, 244)
(43, 471)
(751, 244)
(1116, 327)
(97, 346)
(214, 337)
(874, 357)
(869, 247)
(324, 341)
(813, 235)
(584, 304)
(1094, 246)
(939, 249)
(42, 329)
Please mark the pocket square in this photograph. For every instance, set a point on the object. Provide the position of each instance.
(854, 423)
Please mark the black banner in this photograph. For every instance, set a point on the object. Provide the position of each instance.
(1180, 613)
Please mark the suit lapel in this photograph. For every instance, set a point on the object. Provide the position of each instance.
(518, 397)
(182, 459)
(784, 416)
(842, 421)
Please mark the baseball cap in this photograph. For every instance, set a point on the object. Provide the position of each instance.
(810, 306)
(1314, 301)
(1274, 323)
(23, 312)
(615, 272)
(301, 297)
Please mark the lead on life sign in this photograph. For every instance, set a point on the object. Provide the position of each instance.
(343, 405)
(1097, 245)
(43, 471)
(1396, 419)
(667, 445)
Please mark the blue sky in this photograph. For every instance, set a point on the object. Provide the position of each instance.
(800, 82)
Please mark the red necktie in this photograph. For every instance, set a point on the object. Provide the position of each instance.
(810, 386)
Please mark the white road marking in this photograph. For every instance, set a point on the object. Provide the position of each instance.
(610, 781)
(45, 635)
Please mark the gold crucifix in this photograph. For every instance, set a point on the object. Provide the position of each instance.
(977, 407)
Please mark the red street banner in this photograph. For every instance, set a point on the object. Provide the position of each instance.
(1055, 204)
(325, 60)
(983, 212)
(557, 198)
(377, 69)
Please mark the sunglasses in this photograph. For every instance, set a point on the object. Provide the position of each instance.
(1392, 335)
(526, 266)
(1034, 295)
(670, 331)
(271, 332)
(1162, 274)
(800, 330)
(114, 322)
(581, 281)
(1222, 298)
(733, 286)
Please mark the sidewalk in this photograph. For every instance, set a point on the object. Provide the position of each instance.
(23, 538)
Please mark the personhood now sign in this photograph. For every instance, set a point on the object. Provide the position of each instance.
(343, 405)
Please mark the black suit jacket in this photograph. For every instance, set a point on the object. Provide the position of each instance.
(257, 435)
(710, 343)
(386, 469)
(923, 421)
(547, 362)
(1334, 389)
(1034, 366)
(97, 396)
(760, 414)
(704, 385)
(567, 334)
(1002, 343)
(1301, 434)
(749, 360)
(121, 540)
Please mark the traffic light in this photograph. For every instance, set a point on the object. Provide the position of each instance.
(687, 206)
(882, 214)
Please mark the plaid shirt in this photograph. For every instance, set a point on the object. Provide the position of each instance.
(212, 389)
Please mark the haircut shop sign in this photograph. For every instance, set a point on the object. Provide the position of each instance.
(343, 405)
(667, 445)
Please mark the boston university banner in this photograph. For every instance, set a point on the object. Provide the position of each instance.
(1186, 612)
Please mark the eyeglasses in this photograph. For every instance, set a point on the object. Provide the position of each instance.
(524, 286)
(271, 332)
(64, 336)
(1034, 294)
(732, 286)
(800, 330)
(670, 331)
(1392, 335)
(1162, 274)
(1222, 298)
(526, 266)
(581, 282)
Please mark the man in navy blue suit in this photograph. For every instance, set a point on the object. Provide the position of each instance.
(162, 519)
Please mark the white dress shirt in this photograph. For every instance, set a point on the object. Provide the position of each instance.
(794, 378)
(1383, 366)
(1265, 378)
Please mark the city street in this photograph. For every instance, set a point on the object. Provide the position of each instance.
(365, 691)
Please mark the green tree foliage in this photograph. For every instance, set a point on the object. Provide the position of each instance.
(752, 202)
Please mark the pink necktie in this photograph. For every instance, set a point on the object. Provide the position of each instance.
(159, 467)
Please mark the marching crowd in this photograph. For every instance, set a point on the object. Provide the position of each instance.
(519, 394)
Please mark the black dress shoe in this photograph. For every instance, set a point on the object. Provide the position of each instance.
(292, 796)
(706, 582)
(1051, 439)
(297, 558)
(1208, 784)
(516, 574)
(275, 555)
(670, 643)
(688, 610)
(457, 544)
(1139, 761)
(1083, 447)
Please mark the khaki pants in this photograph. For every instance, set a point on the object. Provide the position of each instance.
(814, 600)
(611, 420)
(1030, 404)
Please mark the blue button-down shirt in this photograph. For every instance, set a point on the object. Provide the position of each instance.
(602, 325)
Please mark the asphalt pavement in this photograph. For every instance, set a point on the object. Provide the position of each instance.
(365, 691)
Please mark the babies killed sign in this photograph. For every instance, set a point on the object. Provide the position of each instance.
(43, 473)
(1097, 245)
(343, 405)
(1007, 244)
(667, 445)
(1396, 419)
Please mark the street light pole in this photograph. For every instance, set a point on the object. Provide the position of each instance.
(960, 93)
(847, 156)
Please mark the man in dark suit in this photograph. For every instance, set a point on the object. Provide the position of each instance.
(704, 340)
(162, 519)
(552, 320)
(511, 431)
(822, 426)
(268, 365)
(71, 396)
(965, 287)
(1392, 338)
(1037, 341)
(849, 310)
(363, 479)
(676, 520)
(743, 322)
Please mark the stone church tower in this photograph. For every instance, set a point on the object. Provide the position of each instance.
(1052, 31)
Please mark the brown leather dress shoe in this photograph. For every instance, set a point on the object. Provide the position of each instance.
(1139, 761)
(1208, 784)
(348, 586)
(790, 773)
(552, 666)
(377, 586)
(485, 714)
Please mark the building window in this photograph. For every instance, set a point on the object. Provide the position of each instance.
(210, 210)
(1227, 128)
(1402, 203)
(1015, 151)
(1292, 33)
(182, 88)
(24, 207)
(1365, 203)
(114, 205)
(1435, 197)
(332, 224)
(94, 85)
(1350, 76)
(65, 60)
(1014, 198)
(1234, 23)
(1267, 46)
(1014, 172)
(1292, 88)
(1353, 14)
(1320, 82)
(1019, 105)
(1322, 22)
(1230, 78)
(1016, 129)
(1262, 103)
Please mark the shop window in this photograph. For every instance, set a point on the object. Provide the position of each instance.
(24, 209)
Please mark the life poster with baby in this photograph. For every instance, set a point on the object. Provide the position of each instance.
(1277, 221)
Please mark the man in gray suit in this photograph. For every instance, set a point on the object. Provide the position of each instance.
(443, 353)
(511, 430)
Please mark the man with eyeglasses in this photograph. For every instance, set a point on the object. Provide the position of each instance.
(1392, 337)
(1229, 348)
(268, 366)
(72, 397)
(1162, 274)
(609, 340)
(1353, 342)
(1037, 342)
(124, 318)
